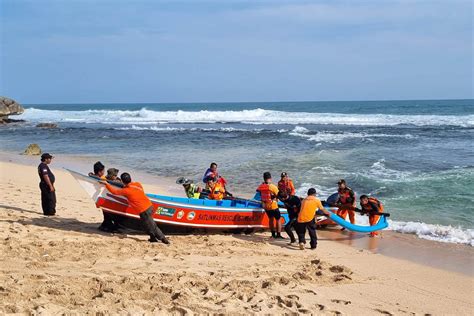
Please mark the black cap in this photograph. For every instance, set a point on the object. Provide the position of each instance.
(363, 196)
(341, 181)
(284, 174)
(311, 191)
(46, 156)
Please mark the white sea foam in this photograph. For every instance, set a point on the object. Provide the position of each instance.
(254, 116)
(334, 137)
(184, 129)
(440, 233)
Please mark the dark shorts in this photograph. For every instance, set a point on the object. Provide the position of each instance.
(273, 213)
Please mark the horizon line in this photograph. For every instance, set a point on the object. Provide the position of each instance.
(242, 102)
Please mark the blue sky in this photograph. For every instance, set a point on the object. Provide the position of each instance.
(203, 51)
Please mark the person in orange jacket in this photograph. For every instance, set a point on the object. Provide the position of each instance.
(216, 189)
(269, 197)
(140, 203)
(306, 219)
(371, 206)
(346, 201)
(286, 185)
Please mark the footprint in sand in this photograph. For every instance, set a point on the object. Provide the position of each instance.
(341, 301)
(381, 311)
(336, 269)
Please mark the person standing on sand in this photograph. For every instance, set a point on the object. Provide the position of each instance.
(268, 195)
(292, 204)
(48, 192)
(140, 203)
(346, 201)
(306, 220)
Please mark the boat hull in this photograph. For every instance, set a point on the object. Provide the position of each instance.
(177, 214)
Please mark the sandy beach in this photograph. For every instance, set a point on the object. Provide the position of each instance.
(64, 264)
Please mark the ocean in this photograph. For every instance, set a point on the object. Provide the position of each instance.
(417, 157)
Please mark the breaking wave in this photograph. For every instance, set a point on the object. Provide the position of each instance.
(254, 116)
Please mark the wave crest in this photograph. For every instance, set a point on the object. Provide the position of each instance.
(254, 116)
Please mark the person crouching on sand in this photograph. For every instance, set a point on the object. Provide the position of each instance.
(306, 219)
(138, 201)
(268, 195)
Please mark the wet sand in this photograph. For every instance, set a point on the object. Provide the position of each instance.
(64, 264)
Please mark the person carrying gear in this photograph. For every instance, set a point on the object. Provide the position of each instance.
(346, 201)
(140, 203)
(372, 207)
(306, 219)
(292, 204)
(193, 191)
(286, 185)
(216, 189)
(268, 195)
(48, 192)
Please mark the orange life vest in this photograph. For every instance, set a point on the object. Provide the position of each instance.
(286, 186)
(346, 196)
(217, 192)
(368, 207)
(266, 195)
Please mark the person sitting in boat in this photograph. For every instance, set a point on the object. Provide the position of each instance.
(269, 197)
(108, 224)
(112, 175)
(212, 172)
(193, 191)
(292, 204)
(346, 201)
(372, 207)
(216, 189)
(99, 171)
(286, 185)
(140, 203)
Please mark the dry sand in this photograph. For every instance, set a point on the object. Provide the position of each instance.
(64, 264)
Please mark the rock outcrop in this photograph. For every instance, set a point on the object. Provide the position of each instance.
(32, 150)
(47, 125)
(9, 107)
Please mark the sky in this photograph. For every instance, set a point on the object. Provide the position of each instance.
(81, 51)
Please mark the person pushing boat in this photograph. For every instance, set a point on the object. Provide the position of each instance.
(108, 224)
(306, 219)
(268, 195)
(292, 204)
(346, 201)
(372, 207)
(140, 203)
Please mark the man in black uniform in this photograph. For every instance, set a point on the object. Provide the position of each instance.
(292, 204)
(48, 194)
